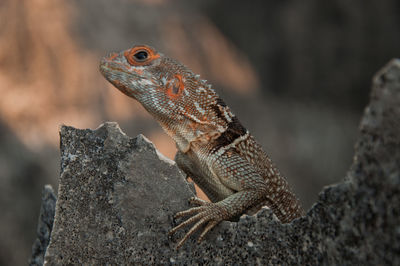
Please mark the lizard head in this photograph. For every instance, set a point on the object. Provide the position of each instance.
(185, 105)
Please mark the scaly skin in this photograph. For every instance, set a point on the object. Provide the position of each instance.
(214, 149)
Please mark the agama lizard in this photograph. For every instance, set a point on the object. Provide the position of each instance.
(214, 149)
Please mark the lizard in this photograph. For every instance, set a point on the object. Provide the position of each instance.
(214, 148)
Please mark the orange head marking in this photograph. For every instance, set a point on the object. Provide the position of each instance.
(175, 86)
(141, 55)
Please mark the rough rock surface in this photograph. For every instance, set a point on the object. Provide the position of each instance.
(117, 197)
(45, 225)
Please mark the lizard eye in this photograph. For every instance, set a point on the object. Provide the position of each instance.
(141, 56)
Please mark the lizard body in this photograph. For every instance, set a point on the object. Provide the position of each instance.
(214, 149)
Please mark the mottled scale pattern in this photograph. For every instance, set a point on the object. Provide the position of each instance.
(214, 148)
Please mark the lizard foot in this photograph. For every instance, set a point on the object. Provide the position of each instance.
(207, 213)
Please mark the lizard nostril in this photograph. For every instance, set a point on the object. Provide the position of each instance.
(141, 56)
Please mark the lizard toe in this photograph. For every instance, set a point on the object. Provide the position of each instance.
(188, 221)
(198, 201)
(209, 214)
(189, 212)
(209, 226)
(191, 231)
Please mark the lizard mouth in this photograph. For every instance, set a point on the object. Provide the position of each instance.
(107, 67)
(120, 76)
(112, 71)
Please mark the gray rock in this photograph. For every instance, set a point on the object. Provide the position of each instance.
(117, 197)
(45, 225)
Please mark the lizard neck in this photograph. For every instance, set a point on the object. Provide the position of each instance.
(182, 141)
(192, 136)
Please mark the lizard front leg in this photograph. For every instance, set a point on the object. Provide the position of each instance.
(202, 176)
(247, 186)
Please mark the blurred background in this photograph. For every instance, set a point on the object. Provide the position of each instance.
(297, 73)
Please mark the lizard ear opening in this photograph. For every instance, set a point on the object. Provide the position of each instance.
(140, 55)
(175, 86)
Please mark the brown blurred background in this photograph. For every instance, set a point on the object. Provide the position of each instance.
(297, 74)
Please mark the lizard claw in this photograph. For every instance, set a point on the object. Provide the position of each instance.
(208, 213)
